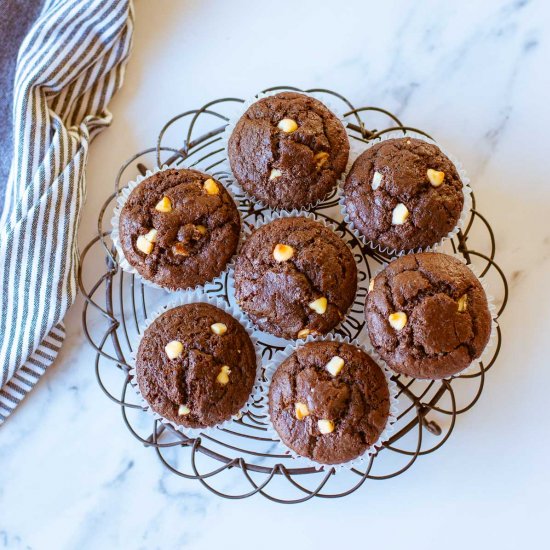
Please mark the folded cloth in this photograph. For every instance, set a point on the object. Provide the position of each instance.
(17, 18)
(69, 66)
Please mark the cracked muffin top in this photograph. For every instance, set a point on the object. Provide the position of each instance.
(288, 150)
(403, 194)
(427, 315)
(329, 401)
(295, 277)
(196, 365)
(179, 228)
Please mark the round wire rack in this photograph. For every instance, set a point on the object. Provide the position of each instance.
(242, 460)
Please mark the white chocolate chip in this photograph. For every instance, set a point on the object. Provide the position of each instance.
(144, 245)
(211, 187)
(219, 328)
(376, 181)
(325, 426)
(183, 410)
(398, 320)
(179, 249)
(436, 178)
(223, 376)
(173, 349)
(164, 205)
(287, 125)
(335, 365)
(275, 174)
(400, 214)
(319, 305)
(301, 410)
(371, 285)
(201, 229)
(304, 333)
(320, 159)
(283, 252)
(463, 303)
(151, 236)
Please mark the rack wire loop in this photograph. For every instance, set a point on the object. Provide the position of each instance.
(116, 304)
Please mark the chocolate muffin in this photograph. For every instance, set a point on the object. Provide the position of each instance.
(427, 315)
(295, 277)
(329, 401)
(288, 150)
(179, 228)
(196, 365)
(403, 194)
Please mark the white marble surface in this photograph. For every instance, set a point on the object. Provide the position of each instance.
(475, 74)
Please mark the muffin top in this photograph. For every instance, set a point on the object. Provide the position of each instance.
(179, 228)
(427, 315)
(404, 194)
(329, 401)
(288, 150)
(196, 365)
(295, 277)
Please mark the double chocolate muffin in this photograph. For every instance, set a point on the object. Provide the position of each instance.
(295, 277)
(196, 365)
(427, 315)
(329, 401)
(179, 228)
(288, 150)
(404, 194)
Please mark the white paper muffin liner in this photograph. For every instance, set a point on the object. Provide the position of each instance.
(241, 108)
(263, 406)
(466, 191)
(115, 234)
(487, 352)
(186, 298)
(268, 218)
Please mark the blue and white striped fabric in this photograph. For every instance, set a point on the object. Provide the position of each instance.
(69, 66)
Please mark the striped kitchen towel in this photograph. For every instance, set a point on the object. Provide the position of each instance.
(69, 66)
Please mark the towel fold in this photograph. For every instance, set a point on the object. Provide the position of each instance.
(69, 66)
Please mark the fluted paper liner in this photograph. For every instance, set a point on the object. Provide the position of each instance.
(466, 191)
(239, 112)
(121, 199)
(192, 298)
(263, 409)
(489, 347)
(266, 219)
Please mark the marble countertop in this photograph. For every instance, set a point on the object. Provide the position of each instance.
(474, 74)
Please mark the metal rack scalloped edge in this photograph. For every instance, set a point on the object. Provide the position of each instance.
(244, 449)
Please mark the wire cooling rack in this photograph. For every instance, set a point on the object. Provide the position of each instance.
(242, 460)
